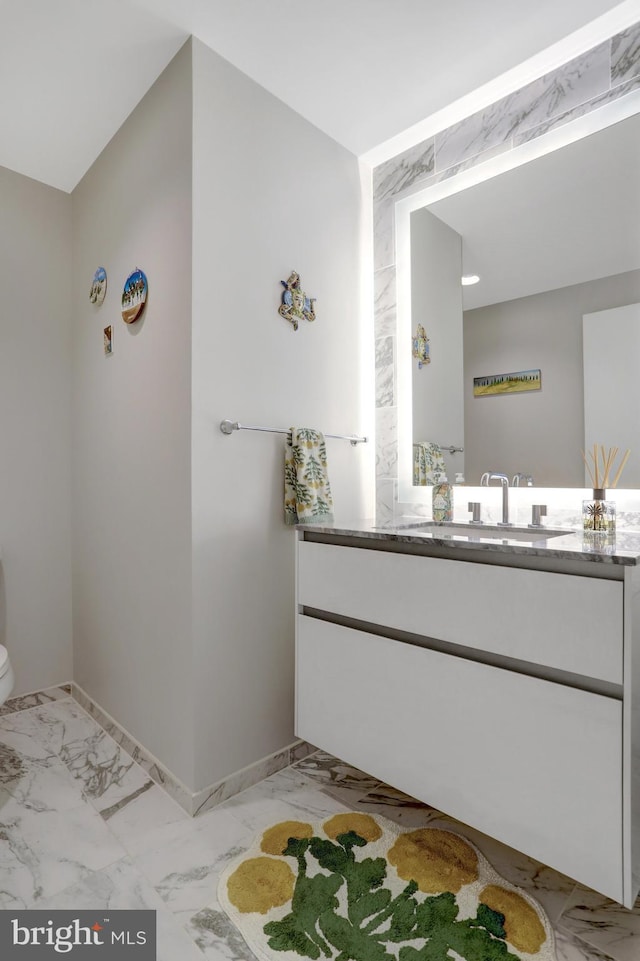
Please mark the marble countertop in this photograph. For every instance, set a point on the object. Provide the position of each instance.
(623, 548)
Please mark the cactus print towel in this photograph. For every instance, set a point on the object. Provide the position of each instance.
(358, 888)
(307, 492)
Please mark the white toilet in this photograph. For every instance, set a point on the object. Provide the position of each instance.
(7, 678)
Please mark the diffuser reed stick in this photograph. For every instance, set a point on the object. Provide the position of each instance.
(601, 466)
(620, 469)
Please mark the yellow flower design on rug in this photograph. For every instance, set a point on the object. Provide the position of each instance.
(359, 888)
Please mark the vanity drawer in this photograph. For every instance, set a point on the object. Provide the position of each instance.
(562, 621)
(530, 762)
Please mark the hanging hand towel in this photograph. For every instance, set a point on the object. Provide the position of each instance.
(307, 492)
(428, 463)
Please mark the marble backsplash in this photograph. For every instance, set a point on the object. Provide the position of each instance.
(601, 75)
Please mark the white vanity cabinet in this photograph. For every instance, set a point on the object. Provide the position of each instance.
(501, 695)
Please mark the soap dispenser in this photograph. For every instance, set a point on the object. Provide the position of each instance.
(442, 499)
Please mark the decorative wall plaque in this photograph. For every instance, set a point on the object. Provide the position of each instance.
(98, 286)
(134, 296)
(420, 346)
(296, 306)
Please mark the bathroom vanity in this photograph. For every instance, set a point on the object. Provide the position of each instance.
(495, 678)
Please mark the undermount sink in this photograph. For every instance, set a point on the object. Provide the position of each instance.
(482, 531)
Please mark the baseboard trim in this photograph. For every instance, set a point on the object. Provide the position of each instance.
(198, 802)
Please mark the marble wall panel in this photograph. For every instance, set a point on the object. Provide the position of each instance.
(584, 108)
(625, 55)
(384, 293)
(400, 172)
(383, 234)
(576, 82)
(385, 370)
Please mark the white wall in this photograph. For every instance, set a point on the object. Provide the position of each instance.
(436, 303)
(35, 374)
(538, 432)
(132, 427)
(271, 194)
(611, 352)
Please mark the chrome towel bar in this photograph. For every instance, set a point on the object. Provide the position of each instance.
(228, 427)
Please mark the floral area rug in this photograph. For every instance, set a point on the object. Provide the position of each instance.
(359, 888)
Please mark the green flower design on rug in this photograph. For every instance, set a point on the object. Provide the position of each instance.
(357, 888)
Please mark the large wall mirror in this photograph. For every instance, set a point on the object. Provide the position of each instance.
(553, 231)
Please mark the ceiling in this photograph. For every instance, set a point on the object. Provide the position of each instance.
(362, 71)
(568, 217)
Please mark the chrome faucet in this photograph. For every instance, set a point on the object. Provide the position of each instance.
(485, 480)
(519, 478)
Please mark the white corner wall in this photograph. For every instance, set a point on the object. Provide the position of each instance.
(132, 427)
(35, 375)
(272, 194)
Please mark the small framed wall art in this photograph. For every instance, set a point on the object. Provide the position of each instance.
(507, 383)
(134, 296)
(98, 287)
(108, 340)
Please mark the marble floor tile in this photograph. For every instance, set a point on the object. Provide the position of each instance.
(602, 924)
(120, 887)
(140, 824)
(58, 723)
(107, 774)
(397, 806)
(188, 858)
(570, 948)
(44, 852)
(23, 731)
(25, 701)
(34, 785)
(331, 773)
(216, 935)
(283, 797)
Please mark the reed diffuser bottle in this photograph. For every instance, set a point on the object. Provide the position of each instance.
(598, 513)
